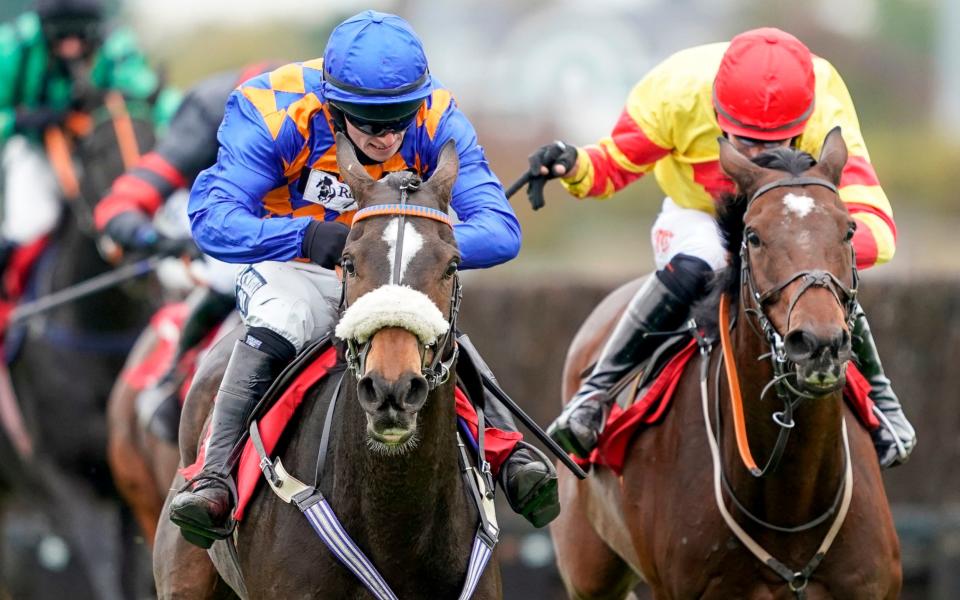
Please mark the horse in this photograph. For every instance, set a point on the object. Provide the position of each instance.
(68, 358)
(392, 474)
(814, 521)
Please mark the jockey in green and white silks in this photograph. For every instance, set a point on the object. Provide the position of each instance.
(55, 60)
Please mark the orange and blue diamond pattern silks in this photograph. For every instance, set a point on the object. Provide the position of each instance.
(277, 169)
(669, 126)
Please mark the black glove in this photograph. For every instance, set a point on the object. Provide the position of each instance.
(133, 230)
(549, 156)
(324, 241)
(37, 119)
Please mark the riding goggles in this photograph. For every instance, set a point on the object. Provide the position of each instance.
(765, 144)
(377, 120)
(84, 28)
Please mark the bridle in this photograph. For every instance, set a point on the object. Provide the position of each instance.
(753, 303)
(436, 369)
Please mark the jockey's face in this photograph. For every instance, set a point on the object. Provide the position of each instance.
(378, 147)
(751, 147)
(71, 38)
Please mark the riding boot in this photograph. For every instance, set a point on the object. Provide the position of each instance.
(654, 308)
(203, 509)
(527, 476)
(159, 405)
(895, 438)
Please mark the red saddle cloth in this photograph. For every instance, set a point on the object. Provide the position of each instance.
(498, 443)
(14, 279)
(650, 408)
(167, 323)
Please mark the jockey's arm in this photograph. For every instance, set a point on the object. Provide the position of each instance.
(488, 233)
(189, 146)
(638, 140)
(875, 237)
(226, 202)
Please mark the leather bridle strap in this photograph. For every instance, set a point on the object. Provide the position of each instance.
(791, 182)
(736, 399)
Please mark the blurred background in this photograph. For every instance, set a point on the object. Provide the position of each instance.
(528, 72)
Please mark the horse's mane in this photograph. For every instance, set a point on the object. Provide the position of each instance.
(730, 212)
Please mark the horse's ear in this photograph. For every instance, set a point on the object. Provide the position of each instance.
(351, 170)
(833, 155)
(738, 167)
(445, 174)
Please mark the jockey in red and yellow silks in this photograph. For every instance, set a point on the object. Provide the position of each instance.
(762, 90)
(669, 126)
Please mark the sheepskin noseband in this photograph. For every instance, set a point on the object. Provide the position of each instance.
(392, 306)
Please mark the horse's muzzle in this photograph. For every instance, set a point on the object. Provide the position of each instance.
(820, 361)
(392, 406)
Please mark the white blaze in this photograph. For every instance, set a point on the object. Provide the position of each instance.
(412, 243)
(798, 205)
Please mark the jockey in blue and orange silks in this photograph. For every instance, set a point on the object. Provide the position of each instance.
(275, 202)
(764, 89)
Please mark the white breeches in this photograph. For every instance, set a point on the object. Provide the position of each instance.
(686, 231)
(298, 301)
(31, 195)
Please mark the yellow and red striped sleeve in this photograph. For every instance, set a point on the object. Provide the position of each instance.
(875, 240)
(628, 153)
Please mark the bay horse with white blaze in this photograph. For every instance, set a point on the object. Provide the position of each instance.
(814, 522)
(391, 472)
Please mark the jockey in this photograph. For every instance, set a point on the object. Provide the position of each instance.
(125, 216)
(762, 90)
(275, 202)
(53, 61)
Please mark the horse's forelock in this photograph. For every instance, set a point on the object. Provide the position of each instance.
(730, 213)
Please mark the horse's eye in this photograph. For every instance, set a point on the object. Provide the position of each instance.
(851, 229)
(451, 270)
(752, 238)
(348, 266)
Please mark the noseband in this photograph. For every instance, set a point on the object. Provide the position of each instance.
(437, 370)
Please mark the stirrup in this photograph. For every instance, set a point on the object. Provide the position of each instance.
(560, 430)
(197, 532)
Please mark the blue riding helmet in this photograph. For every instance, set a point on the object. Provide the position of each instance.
(374, 68)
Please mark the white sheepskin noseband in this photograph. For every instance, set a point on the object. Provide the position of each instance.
(392, 306)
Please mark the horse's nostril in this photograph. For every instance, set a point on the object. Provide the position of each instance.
(417, 393)
(844, 344)
(799, 345)
(367, 392)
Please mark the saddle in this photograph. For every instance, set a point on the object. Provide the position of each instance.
(638, 381)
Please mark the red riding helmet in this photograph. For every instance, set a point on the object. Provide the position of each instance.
(764, 87)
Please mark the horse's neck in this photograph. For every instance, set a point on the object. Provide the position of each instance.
(804, 484)
(403, 499)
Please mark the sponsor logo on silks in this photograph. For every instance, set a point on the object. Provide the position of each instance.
(248, 282)
(325, 189)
